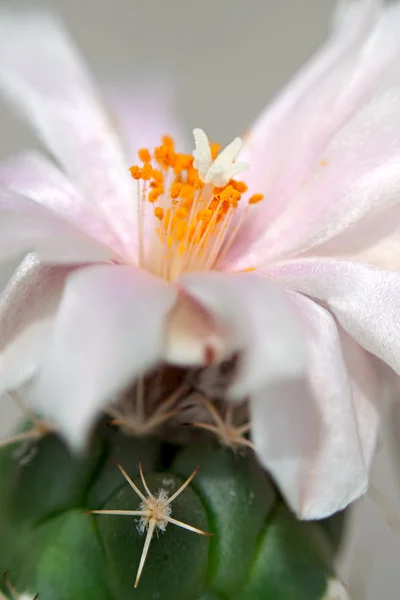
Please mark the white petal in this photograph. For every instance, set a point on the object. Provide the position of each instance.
(321, 175)
(306, 432)
(23, 357)
(193, 337)
(42, 75)
(364, 299)
(35, 177)
(110, 329)
(259, 324)
(27, 306)
(33, 293)
(26, 227)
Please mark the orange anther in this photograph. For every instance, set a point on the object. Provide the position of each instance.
(144, 155)
(175, 189)
(147, 172)
(180, 163)
(168, 141)
(159, 212)
(230, 195)
(181, 212)
(160, 153)
(188, 161)
(239, 186)
(198, 184)
(136, 172)
(158, 176)
(155, 194)
(187, 192)
(256, 198)
(215, 148)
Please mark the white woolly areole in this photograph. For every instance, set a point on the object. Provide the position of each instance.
(160, 510)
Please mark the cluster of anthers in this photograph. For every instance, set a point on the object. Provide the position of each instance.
(13, 592)
(192, 199)
(154, 512)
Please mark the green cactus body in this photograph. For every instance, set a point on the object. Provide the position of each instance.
(50, 546)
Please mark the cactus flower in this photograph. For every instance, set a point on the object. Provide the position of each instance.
(259, 265)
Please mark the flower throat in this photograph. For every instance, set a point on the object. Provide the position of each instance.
(186, 205)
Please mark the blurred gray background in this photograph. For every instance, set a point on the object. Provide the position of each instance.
(225, 60)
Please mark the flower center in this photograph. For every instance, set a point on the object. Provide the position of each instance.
(186, 205)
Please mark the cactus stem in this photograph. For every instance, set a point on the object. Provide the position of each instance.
(155, 512)
(225, 430)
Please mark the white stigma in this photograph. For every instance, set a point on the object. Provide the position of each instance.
(223, 168)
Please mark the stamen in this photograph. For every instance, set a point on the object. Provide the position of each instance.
(192, 200)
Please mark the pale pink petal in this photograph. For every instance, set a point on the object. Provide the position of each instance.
(259, 324)
(375, 240)
(32, 294)
(320, 175)
(33, 176)
(22, 358)
(26, 227)
(383, 252)
(364, 299)
(110, 329)
(143, 114)
(194, 338)
(43, 76)
(27, 307)
(367, 376)
(356, 182)
(307, 431)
